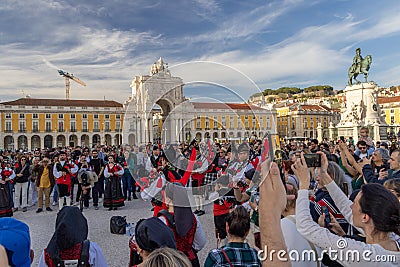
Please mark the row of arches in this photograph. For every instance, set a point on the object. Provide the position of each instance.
(49, 141)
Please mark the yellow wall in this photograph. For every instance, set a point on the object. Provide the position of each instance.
(14, 118)
(90, 122)
(78, 122)
(42, 122)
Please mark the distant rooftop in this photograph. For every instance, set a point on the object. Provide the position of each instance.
(62, 102)
(385, 100)
(237, 106)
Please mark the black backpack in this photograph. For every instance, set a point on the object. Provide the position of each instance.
(118, 225)
(83, 260)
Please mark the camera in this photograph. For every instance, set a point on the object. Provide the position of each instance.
(313, 160)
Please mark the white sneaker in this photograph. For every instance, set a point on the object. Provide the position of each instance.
(54, 203)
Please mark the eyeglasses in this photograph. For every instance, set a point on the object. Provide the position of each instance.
(23, 159)
(362, 147)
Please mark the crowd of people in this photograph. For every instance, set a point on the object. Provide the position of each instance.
(350, 192)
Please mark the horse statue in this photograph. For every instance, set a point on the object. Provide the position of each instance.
(354, 70)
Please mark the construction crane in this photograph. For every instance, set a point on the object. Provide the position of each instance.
(67, 77)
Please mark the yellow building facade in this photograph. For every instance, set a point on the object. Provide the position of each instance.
(30, 123)
(391, 108)
(302, 120)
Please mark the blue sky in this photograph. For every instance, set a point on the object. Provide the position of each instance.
(243, 46)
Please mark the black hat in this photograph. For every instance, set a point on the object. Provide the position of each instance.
(243, 147)
(152, 233)
(155, 147)
(252, 174)
(169, 154)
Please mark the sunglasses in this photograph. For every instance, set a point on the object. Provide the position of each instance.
(362, 147)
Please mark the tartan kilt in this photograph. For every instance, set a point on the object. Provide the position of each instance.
(210, 178)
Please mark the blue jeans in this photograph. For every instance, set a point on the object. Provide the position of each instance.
(127, 181)
(55, 194)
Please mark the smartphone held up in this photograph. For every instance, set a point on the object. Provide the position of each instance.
(313, 160)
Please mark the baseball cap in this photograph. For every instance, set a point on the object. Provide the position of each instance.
(15, 238)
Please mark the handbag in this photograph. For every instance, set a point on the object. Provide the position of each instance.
(118, 225)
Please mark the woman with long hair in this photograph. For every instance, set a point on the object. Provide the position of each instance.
(376, 211)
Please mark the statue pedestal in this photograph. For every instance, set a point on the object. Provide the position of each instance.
(361, 109)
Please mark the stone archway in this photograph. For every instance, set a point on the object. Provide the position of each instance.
(22, 142)
(60, 141)
(159, 88)
(96, 139)
(73, 140)
(215, 135)
(48, 141)
(35, 142)
(85, 140)
(9, 142)
(118, 139)
(108, 139)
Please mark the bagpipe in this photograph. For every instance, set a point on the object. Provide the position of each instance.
(5, 173)
(145, 181)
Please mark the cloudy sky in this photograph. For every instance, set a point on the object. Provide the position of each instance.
(223, 49)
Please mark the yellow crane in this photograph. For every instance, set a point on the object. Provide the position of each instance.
(67, 77)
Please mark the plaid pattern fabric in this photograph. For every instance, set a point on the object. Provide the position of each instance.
(240, 254)
(210, 177)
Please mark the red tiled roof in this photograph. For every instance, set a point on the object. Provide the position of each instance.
(237, 106)
(310, 107)
(385, 100)
(63, 103)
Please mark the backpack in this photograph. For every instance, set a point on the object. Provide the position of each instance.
(83, 260)
(118, 225)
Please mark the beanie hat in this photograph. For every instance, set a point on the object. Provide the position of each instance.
(15, 238)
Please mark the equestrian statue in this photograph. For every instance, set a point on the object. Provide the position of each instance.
(360, 66)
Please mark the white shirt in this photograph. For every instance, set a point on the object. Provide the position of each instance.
(328, 241)
(296, 242)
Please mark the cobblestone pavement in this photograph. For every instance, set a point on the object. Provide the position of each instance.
(115, 247)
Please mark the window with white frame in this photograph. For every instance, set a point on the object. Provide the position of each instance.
(72, 116)
(35, 116)
(22, 126)
(8, 126)
(60, 126)
(61, 116)
(35, 126)
(96, 125)
(48, 126)
(117, 125)
(22, 116)
(48, 116)
(84, 125)
(72, 126)
(8, 115)
(107, 126)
